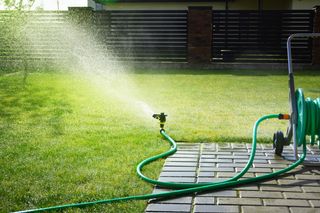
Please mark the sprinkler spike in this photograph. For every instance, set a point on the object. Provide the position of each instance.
(161, 117)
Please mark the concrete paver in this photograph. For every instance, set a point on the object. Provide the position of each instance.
(297, 191)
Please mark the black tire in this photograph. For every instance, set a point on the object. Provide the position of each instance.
(278, 142)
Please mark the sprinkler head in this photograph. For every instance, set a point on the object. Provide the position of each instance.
(161, 117)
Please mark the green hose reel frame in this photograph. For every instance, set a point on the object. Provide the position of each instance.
(304, 113)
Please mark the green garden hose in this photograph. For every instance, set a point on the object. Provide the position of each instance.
(187, 188)
(308, 118)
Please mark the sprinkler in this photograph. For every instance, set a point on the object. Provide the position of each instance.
(162, 119)
(304, 120)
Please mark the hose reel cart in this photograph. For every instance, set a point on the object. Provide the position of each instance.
(304, 119)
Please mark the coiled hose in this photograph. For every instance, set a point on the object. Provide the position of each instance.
(308, 118)
(184, 189)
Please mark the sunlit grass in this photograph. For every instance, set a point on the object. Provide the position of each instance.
(63, 140)
(223, 105)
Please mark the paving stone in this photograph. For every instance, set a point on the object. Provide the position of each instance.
(231, 174)
(299, 183)
(296, 191)
(217, 153)
(268, 182)
(238, 145)
(210, 179)
(222, 165)
(246, 160)
(243, 153)
(181, 164)
(177, 174)
(224, 145)
(248, 188)
(233, 157)
(224, 160)
(207, 160)
(196, 152)
(182, 160)
(285, 202)
(266, 170)
(307, 177)
(264, 209)
(187, 144)
(260, 194)
(304, 210)
(179, 200)
(180, 169)
(178, 179)
(281, 166)
(309, 196)
(289, 157)
(311, 189)
(224, 193)
(266, 150)
(190, 149)
(210, 156)
(239, 201)
(204, 201)
(315, 203)
(281, 188)
(265, 157)
(215, 208)
(207, 164)
(288, 176)
(206, 174)
(213, 169)
(168, 208)
(209, 145)
(279, 161)
(186, 155)
(258, 153)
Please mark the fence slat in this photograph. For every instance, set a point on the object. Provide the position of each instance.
(262, 34)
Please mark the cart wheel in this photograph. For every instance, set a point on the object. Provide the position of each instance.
(278, 142)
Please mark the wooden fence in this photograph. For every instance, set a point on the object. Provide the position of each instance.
(162, 35)
(144, 35)
(18, 48)
(253, 36)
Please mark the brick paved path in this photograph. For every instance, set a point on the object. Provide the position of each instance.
(298, 191)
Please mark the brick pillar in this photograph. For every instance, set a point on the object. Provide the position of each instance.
(316, 41)
(199, 34)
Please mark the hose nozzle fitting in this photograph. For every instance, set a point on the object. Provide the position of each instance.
(284, 117)
(161, 117)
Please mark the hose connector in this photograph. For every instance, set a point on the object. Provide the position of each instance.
(284, 117)
(161, 117)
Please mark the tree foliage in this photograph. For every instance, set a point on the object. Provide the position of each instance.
(18, 4)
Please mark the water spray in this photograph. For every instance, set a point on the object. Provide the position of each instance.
(304, 121)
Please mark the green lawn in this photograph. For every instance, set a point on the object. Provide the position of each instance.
(71, 138)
